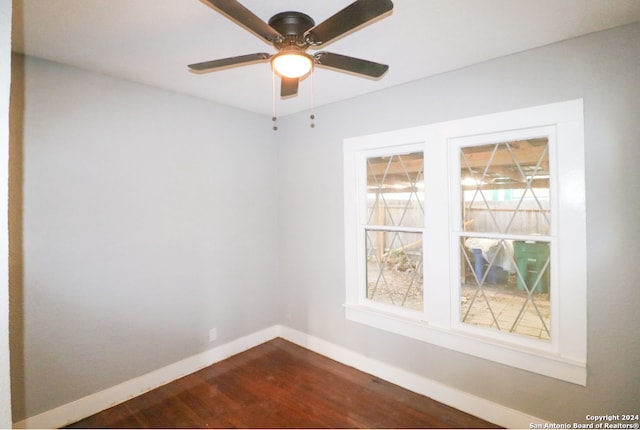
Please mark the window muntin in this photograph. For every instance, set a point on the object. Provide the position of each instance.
(509, 183)
(395, 185)
(394, 270)
(393, 230)
(505, 272)
(505, 286)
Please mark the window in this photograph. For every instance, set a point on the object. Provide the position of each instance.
(393, 229)
(504, 232)
(470, 234)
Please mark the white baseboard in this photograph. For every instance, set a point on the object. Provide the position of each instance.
(471, 404)
(94, 403)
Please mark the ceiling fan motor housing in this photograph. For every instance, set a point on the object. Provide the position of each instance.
(292, 25)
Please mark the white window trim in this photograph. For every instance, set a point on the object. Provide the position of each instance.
(565, 356)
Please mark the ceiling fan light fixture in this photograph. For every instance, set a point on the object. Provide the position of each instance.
(292, 64)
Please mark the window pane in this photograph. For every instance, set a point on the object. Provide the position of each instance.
(506, 187)
(394, 268)
(395, 190)
(505, 285)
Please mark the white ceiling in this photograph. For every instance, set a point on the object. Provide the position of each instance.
(152, 41)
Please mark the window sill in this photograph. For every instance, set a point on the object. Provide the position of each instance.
(541, 362)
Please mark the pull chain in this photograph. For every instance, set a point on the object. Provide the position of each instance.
(274, 118)
(312, 116)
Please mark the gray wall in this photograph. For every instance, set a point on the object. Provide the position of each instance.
(5, 79)
(140, 219)
(602, 68)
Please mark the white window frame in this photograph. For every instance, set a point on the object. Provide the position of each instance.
(564, 357)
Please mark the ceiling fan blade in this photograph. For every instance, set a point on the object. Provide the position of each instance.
(243, 16)
(351, 17)
(288, 87)
(350, 64)
(211, 66)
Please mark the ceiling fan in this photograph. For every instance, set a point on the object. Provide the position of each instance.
(292, 33)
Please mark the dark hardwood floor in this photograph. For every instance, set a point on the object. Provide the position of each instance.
(281, 385)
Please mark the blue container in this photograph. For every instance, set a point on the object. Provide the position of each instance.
(478, 263)
(495, 276)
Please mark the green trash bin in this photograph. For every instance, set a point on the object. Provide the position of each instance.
(530, 259)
